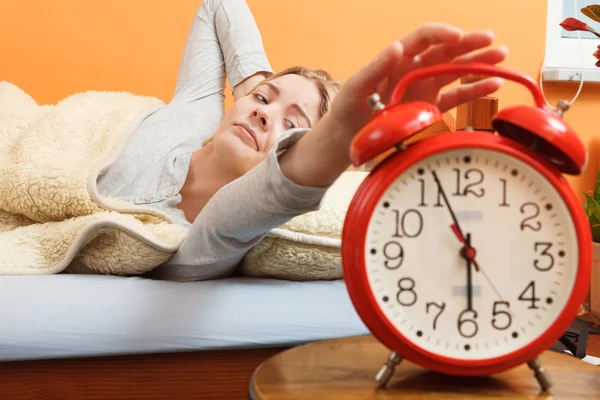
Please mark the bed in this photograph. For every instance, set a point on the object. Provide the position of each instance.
(83, 337)
(107, 337)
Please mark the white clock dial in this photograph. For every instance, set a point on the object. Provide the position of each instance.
(525, 244)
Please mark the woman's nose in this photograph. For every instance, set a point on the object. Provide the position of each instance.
(262, 119)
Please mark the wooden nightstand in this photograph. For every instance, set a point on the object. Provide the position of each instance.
(345, 369)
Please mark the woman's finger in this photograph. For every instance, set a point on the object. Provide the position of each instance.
(490, 56)
(427, 35)
(467, 92)
(441, 53)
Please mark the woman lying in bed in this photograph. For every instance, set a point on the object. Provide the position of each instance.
(284, 141)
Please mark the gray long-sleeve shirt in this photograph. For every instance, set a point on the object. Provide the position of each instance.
(224, 41)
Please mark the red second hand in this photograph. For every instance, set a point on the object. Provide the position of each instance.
(488, 279)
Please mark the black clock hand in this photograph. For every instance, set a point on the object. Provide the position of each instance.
(469, 273)
(467, 251)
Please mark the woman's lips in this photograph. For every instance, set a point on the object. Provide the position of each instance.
(249, 134)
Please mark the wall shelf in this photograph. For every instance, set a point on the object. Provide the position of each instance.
(571, 75)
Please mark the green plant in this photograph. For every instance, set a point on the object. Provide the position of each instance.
(573, 24)
(592, 209)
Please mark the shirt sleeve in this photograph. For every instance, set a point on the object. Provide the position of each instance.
(224, 41)
(239, 216)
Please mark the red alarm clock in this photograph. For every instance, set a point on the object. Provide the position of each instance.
(467, 252)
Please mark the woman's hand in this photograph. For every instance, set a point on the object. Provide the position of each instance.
(321, 156)
(430, 44)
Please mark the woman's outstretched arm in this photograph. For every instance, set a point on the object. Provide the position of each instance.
(224, 41)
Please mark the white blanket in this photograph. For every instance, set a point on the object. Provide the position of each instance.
(51, 215)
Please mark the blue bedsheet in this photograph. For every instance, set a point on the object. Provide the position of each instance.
(91, 315)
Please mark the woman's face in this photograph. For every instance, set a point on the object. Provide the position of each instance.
(256, 122)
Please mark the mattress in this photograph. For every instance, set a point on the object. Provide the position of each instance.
(92, 315)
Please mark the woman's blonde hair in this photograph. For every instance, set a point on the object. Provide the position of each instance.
(327, 86)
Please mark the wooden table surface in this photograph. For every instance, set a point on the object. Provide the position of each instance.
(593, 346)
(345, 369)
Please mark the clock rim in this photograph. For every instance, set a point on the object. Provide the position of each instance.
(353, 251)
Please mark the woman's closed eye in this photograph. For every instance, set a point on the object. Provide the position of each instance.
(261, 98)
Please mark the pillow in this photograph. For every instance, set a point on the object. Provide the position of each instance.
(308, 246)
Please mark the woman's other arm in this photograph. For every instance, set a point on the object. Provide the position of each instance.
(224, 41)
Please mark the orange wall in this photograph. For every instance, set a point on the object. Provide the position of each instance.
(54, 48)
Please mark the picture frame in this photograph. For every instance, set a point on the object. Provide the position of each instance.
(569, 53)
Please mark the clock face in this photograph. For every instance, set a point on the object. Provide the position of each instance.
(498, 296)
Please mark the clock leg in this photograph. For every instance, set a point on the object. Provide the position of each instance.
(386, 372)
(541, 374)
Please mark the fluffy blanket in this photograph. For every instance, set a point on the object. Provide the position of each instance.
(51, 215)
